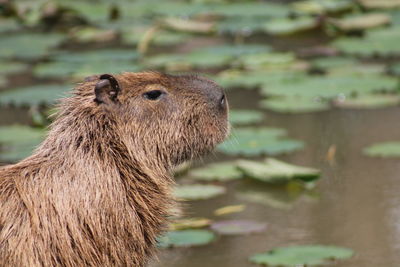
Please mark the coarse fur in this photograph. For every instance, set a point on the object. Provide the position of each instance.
(96, 192)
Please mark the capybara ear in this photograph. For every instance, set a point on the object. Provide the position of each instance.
(107, 89)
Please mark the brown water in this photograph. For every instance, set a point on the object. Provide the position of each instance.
(356, 203)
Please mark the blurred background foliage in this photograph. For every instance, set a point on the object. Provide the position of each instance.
(276, 59)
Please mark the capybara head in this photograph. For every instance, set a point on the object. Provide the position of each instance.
(172, 118)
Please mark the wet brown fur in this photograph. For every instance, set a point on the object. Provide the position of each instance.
(96, 192)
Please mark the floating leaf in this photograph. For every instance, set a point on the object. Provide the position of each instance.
(322, 6)
(186, 238)
(8, 67)
(270, 199)
(258, 141)
(198, 191)
(361, 22)
(82, 64)
(242, 117)
(295, 104)
(235, 227)
(310, 255)
(380, 41)
(381, 4)
(17, 142)
(222, 171)
(34, 95)
(332, 87)
(369, 101)
(250, 9)
(28, 45)
(345, 66)
(9, 25)
(275, 171)
(384, 150)
(395, 69)
(189, 223)
(216, 56)
(229, 209)
(267, 61)
(286, 26)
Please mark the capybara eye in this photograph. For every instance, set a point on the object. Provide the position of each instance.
(153, 94)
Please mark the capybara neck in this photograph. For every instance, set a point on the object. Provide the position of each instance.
(96, 192)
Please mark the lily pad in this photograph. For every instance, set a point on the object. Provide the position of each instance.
(368, 101)
(186, 238)
(198, 191)
(216, 56)
(322, 6)
(229, 210)
(345, 66)
(17, 141)
(381, 4)
(380, 41)
(259, 141)
(295, 104)
(82, 64)
(361, 22)
(8, 67)
(334, 86)
(275, 171)
(28, 45)
(384, 150)
(189, 223)
(235, 227)
(222, 171)
(310, 255)
(286, 26)
(34, 95)
(242, 117)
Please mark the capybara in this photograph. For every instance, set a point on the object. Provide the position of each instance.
(97, 191)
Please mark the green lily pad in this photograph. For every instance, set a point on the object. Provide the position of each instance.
(34, 95)
(267, 61)
(259, 141)
(310, 255)
(162, 38)
(28, 45)
(235, 227)
(286, 26)
(322, 6)
(380, 41)
(295, 104)
(241, 25)
(361, 22)
(381, 4)
(82, 64)
(222, 171)
(198, 191)
(17, 141)
(345, 66)
(369, 101)
(9, 67)
(242, 117)
(275, 171)
(384, 150)
(255, 79)
(9, 25)
(333, 86)
(250, 9)
(185, 238)
(216, 56)
(395, 69)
